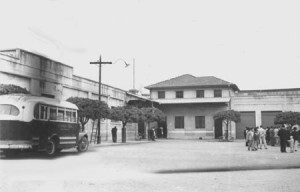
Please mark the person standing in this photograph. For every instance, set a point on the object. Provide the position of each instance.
(114, 134)
(295, 135)
(249, 139)
(256, 138)
(276, 135)
(245, 135)
(262, 137)
(291, 142)
(268, 135)
(272, 137)
(282, 133)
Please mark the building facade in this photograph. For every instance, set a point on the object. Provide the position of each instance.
(191, 102)
(42, 76)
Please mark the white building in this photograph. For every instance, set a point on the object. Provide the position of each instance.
(190, 103)
(42, 76)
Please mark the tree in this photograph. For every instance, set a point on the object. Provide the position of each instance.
(152, 114)
(289, 117)
(227, 117)
(9, 89)
(125, 114)
(89, 109)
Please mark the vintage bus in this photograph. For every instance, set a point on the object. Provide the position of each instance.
(39, 124)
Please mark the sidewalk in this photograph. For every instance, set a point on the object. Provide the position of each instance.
(110, 143)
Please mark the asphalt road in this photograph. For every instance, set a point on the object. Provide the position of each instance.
(164, 165)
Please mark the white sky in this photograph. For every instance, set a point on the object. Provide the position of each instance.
(254, 44)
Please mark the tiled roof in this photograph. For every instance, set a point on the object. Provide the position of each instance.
(191, 81)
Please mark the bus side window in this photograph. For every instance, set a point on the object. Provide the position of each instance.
(60, 114)
(68, 116)
(53, 114)
(36, 111)
(73, 119)
(43, 112)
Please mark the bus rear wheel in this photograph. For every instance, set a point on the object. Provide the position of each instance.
(83, 145)
(50, 148)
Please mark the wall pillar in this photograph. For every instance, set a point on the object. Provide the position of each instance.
(258, 118)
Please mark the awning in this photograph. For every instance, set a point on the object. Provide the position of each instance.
(193, 100)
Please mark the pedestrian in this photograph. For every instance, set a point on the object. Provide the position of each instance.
(153, 134)
(262, 137)
(245, 135)
(288, 131)
(295, 135)
(114, 134)
(268, 135)
(161, 132)
(249, 139)
(282, 133)
(291, 142)
(272, 136)
(276, 135)
(256, 138)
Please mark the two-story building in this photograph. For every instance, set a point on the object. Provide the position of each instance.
(190, 103)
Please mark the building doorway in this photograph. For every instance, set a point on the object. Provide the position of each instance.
(247, 120)
(218, 128)
(141, 129)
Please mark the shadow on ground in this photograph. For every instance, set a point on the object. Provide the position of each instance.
(228, 169)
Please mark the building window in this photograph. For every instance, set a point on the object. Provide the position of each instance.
(179, 94)
(200, 93)
(179, 122)
(217, 93)
(161, 94)
(42, 85)
(200, 121)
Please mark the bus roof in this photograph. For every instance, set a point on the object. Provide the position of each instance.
(22, 99)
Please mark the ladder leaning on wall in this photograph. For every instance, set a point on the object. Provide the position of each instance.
(94, 134)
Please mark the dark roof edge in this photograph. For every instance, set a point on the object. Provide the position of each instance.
(153, 85)
(233, 86)
(271, 90)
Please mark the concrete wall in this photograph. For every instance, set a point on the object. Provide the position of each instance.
(268, 101)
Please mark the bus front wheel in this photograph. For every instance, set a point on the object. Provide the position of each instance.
(83, 145)
(50, 149)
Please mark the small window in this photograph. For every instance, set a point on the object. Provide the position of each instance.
(69, 116)
(6, 109)
(60, 114)
(42, 85)
(200, 121)
(53, 114)
(161, 94)
(200, 93)
(179, 122)
(43, 112)
(73, 118)
(179, 94)
(217, 93)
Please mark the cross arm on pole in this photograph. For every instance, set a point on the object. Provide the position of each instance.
(98, 62)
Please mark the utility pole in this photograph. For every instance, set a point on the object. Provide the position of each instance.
(98, 126)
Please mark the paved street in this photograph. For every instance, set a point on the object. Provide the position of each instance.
(164, 165)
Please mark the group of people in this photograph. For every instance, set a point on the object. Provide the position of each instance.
(152, 133)
(285, 136)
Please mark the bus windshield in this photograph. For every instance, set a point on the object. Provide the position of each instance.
(6, 109)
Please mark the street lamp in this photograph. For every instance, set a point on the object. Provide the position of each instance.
(100, 63)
